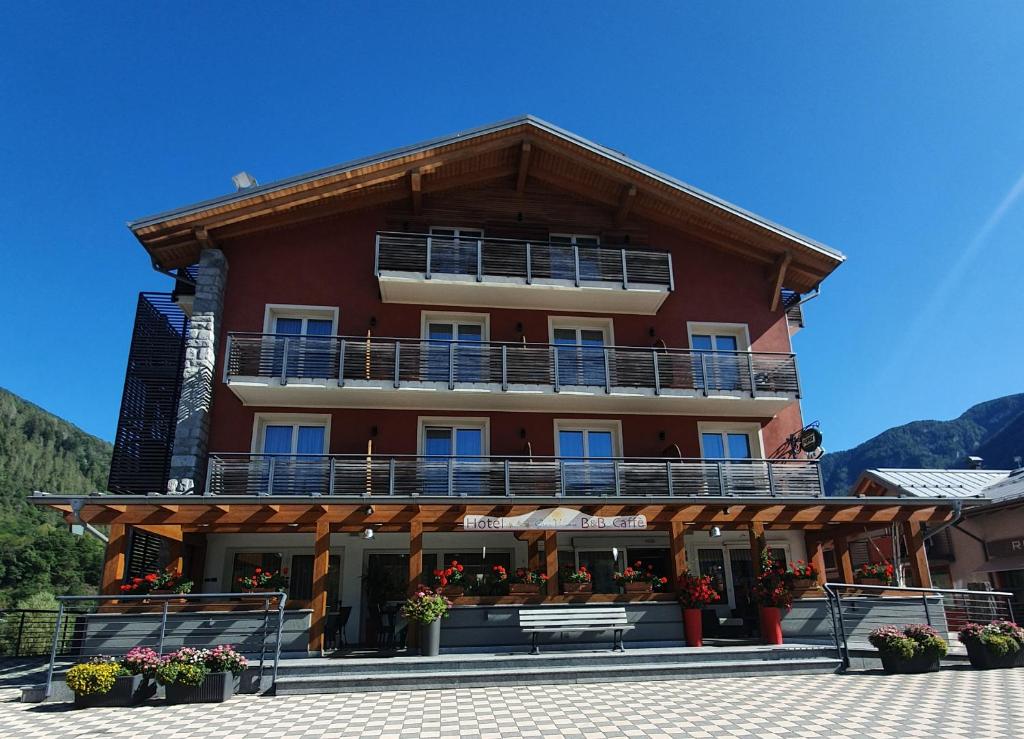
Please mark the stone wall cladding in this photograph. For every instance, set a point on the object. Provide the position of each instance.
(192, 430)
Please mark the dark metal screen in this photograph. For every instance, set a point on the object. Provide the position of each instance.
(145, 553)
(149, 405)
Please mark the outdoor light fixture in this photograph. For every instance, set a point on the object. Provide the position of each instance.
(483, 554)
(715, 532)
(615, 554)
(367, 533)
(293, 525)
(368, 510)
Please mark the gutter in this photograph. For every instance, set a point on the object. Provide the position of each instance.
(958, 514)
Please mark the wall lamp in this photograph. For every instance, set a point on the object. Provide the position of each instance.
(715, 532)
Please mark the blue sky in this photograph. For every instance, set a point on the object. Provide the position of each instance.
(894, 132)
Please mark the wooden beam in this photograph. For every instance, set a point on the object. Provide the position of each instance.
(416, 190)
(321, 560)
(816, 553)
(781, 265)
(843, 559)
(758, 544)
(551, 560)
(917, 554)
(677, 548)
(524, 167)
(415, 555)
(176, 556)
(203, 238)
(533, 552)
(168, 532)
(625, 204)
(114, 559)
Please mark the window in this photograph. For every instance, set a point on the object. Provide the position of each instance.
(300, 583)
(293, 449)
(453, 250)
(455, 344)
(730, 441)
(659, 559)
(245, 564)
(580, 354)
(718, 363)
(303, 334)
(454, 461)
(602, 569)
(711, 563)
(587, 453)
(475, 565)
(563, 256)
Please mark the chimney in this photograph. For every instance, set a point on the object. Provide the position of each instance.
(974, 463)
(243, 181)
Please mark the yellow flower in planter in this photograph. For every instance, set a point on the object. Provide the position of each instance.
(93, 678)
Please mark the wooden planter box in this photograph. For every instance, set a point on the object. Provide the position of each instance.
(637, 587)
(983, 659)
(127, 691)
(575, 588)
(805, 586)
(216, 688)
(453, 591)
(896, 665)
(871, 581)
(523, 588)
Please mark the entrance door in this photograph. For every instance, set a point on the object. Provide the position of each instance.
(385, 584)
(743, 576)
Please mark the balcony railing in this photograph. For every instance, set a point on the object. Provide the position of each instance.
(361, 475)
(508, 365)
(484, 258)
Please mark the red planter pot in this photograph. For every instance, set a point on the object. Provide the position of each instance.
(771, 624)
(692, 627)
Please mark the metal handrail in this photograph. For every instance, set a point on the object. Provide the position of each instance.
(345, 475)
(504, 364)
(431, 254)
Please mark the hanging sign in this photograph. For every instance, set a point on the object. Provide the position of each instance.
(554, 519)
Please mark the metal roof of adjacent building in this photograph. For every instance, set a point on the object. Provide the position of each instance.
(939, 483)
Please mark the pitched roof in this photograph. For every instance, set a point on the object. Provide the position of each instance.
(925, 483)
(169, 236)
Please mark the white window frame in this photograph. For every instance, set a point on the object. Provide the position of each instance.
(457, 232)
(573, 238)
(481, 319)
(589, 424)
(455, 422)
(286, 553)
(740, 330)
(605, 325)
(752, 430)
(273, 311)
(262, 420)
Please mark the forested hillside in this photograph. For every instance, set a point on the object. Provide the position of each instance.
(39, 451)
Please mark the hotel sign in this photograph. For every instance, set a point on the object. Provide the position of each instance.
(554, 519)
(1005, 547)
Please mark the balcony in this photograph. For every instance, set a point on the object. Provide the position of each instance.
(359, 372)
(508, 273)
(547, 477)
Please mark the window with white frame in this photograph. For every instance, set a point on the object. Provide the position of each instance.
(717, 359)
(454, 347)
(587, 450)
(301, 335)
(580, 349)
(454, 452)
(564, 255)
(453, 249)
(730, 441)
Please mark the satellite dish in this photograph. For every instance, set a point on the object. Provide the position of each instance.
(810, 439)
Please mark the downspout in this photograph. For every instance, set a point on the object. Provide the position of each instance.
(957, 516)
(810, 296)
(76, 519)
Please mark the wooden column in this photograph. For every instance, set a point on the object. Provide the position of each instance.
(176, 556)
(551, 560)
(843, 560)
(533, 551)
(758, 544)
(675, 542)
(917, 554)
(412, 636)
(321, 558)
(114, 559)
(816, 552)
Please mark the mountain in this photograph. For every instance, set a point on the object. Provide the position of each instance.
(993, 430)
(39, 451)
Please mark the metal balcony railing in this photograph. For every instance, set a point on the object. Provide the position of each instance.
(361, 475)
(484, 258)
(464, 363)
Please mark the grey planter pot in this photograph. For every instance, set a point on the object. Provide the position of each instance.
(216, 688)
(127, 691)
(983, 659)
(430, 638)
(896, 665)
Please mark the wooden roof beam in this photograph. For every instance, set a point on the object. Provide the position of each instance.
(416, 192)
(625, 204)
(524, 167)
(781, 265)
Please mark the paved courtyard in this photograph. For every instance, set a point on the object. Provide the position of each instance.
(953, 703)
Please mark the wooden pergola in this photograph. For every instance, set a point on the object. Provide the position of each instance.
(823, 520)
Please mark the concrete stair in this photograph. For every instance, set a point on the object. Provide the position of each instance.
(474, 670)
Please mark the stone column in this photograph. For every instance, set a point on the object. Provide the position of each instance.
(188, 459)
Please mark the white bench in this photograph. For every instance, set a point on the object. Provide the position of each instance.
(557, 620)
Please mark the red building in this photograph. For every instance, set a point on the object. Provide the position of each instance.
(511, 323)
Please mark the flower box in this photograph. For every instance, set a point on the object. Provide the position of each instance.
(637, 587)
(216, 688)
(128, 690)
(453, 591)
(523, 588)
(894, 664)
(805, 586)
(871, 581)
(984, 658)
(573, 588)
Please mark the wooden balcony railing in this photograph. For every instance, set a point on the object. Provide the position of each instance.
(485, 258)
(405, 476)
(508, 365)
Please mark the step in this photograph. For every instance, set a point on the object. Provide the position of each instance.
(545, 660)
(480, 678)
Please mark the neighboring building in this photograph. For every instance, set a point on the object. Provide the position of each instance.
(358, 364)
(985, 546)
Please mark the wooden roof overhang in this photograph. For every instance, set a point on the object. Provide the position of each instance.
(519, 150)
(167, 515)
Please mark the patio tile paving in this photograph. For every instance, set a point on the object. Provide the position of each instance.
(951, 703)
